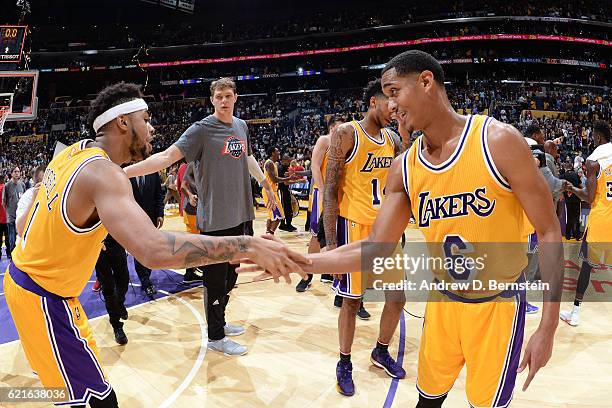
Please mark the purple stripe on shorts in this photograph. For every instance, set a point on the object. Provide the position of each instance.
(276, 214)
(341, 286)
(79, 362)
(314, 212)
(507, 389)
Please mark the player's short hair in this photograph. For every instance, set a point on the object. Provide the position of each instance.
(373, 88)
(532, 129)
(333, 119)
(415, 61)
(602, 127)
(110, 96)
(41, 168)
(222, 83)
(270, 150)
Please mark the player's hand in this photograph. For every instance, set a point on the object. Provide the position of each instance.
(160, 222)
(537, 353)
(103, 247)
(193, 200)
(271, 204)
(275, 259)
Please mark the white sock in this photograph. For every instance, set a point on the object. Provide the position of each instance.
(576, 310)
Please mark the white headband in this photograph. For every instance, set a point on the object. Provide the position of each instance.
(123, 109)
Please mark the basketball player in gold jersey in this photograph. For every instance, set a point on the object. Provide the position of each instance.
(358, 162)
(84, 196)
(466, 179)
(275, 211)
(315, 202)
(596, 248)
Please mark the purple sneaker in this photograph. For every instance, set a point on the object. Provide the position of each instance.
(531, 309)
(344, 378)
(382, 359)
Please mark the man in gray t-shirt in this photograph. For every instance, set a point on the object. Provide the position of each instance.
(13, 190)
(219, 151)
(219, 147)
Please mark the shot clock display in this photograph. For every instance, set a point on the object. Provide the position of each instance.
(11, 43)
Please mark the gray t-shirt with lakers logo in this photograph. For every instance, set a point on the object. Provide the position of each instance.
(219, 151)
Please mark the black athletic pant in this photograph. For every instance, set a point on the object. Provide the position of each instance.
(572, 229)
(287, 208)
(4, 234)
(144, 274)
(219, 280)
(112, 272)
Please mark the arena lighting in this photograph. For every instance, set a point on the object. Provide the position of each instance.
(510, 81)
(303, 91)
(418, 41)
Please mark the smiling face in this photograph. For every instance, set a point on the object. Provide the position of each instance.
(223, 100)
(410, 97)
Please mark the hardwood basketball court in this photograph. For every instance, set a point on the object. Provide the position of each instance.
(293, 350)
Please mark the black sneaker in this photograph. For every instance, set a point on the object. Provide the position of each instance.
(303, 285)
(120, 336)
(362, 313)
(150, 291)
(327, 278)
(191, 277)
(338, 301)
(291, 228)
(124, 313)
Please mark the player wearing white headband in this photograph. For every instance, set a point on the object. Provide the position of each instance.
(84, 196)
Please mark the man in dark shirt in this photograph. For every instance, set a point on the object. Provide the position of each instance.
(285, 194)
(572, 204)
(149, 196)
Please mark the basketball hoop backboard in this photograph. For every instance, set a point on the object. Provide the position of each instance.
(22, 85)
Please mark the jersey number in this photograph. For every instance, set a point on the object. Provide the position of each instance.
(609, 190)
(376, 192)
(455, 247)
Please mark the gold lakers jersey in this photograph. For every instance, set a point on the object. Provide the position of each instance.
(55, 253)
(599, 224)
(465, 208)
(268, 178)
(362, 187)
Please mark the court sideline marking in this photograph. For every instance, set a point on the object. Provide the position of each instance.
(198, 363)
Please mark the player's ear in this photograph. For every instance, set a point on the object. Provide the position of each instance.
(122, 121)
(427, 79)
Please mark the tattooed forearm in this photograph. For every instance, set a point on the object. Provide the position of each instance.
(188, 250)
(341, 142)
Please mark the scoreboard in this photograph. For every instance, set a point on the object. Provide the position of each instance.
(12, 39)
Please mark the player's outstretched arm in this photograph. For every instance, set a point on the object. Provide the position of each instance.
(514, 160)
(111, 193)
(390, 223)
(156, 162)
